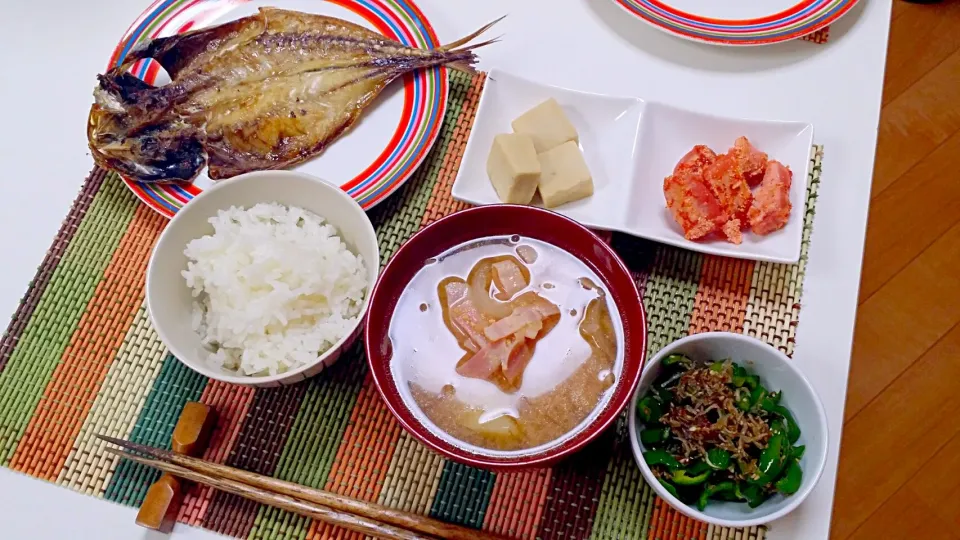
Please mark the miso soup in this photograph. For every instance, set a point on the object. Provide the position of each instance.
(506, 344)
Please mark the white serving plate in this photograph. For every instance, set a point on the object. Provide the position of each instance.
(630, 145)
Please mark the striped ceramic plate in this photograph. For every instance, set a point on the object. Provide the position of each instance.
(738, 22)
(379, 153)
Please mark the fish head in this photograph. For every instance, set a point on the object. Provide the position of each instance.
(164, 151)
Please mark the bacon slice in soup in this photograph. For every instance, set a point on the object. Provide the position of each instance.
(516, 362)
(466, 321)
(490, 358)
(511, 324)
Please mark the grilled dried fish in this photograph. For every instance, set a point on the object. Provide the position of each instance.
(263, 92)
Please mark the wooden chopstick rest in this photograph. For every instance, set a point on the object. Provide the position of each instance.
(190, 437)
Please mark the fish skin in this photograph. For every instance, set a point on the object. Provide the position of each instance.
(264, 92)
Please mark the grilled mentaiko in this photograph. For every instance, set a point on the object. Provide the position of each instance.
(263, 92)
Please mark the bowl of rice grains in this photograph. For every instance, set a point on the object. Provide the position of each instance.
(727, 429)
(264, 279)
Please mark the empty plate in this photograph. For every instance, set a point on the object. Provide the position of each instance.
(630, 145)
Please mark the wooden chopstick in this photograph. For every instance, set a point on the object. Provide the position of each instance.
(284, 502)
(354, 514)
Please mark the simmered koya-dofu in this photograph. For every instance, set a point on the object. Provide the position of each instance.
(505, 343)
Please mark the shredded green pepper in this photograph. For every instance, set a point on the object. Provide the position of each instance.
(675, 360)
(793, 430)
(684, 478)
(669, 487)
(661, 457)
(718, 459)
(797, 452)
(649, 410)
(772, 460)
(789, 483)
(753, 495)
(770, 401)
(713, 491)
(652, 436)
(757, 395)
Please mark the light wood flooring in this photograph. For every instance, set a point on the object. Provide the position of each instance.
(899, 471)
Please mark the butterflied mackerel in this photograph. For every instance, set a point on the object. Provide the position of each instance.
(263, 92)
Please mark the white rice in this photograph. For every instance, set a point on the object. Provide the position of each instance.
(274, 288)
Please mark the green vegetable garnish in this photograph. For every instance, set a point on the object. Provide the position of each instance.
(649, 410)
(771, 462)
(753, 495)
(685, 478)
(661, 457)
(650, 437)
(675, 359)
(789, 483)
(797, 452)
(714, 490)
(793, 430)
(669, 487)
(757, 395)
(718, 459)
(770, 401)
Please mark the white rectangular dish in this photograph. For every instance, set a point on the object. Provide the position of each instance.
(630, 145)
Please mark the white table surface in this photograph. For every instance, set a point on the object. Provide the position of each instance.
(51, 50)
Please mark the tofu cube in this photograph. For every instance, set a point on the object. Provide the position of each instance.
(547, 125)
(513, 168)
(564, 176)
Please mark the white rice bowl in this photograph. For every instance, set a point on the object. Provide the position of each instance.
(274, 287)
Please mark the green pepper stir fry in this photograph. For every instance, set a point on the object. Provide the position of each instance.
(714, 432)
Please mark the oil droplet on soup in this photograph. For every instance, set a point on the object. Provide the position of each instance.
(524, 348)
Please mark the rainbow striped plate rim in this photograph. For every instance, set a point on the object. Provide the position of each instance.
(424, 102)
(805, 17)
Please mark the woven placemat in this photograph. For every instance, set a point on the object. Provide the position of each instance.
(821, 36)
(80, 358)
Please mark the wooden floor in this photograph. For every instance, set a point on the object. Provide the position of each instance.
(900, 456)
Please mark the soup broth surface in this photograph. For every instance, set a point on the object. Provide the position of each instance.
(567, 378)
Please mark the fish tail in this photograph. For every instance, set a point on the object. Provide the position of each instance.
(462, 65)
(478, 45)
(463, 41)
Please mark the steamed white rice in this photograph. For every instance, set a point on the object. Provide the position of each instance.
(274, 288)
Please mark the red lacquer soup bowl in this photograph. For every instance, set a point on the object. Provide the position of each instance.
(506, 220)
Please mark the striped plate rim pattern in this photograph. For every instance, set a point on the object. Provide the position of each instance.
(805, 17)
(425, 92)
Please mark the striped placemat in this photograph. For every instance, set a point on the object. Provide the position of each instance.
(821, 36)
(80, 358)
